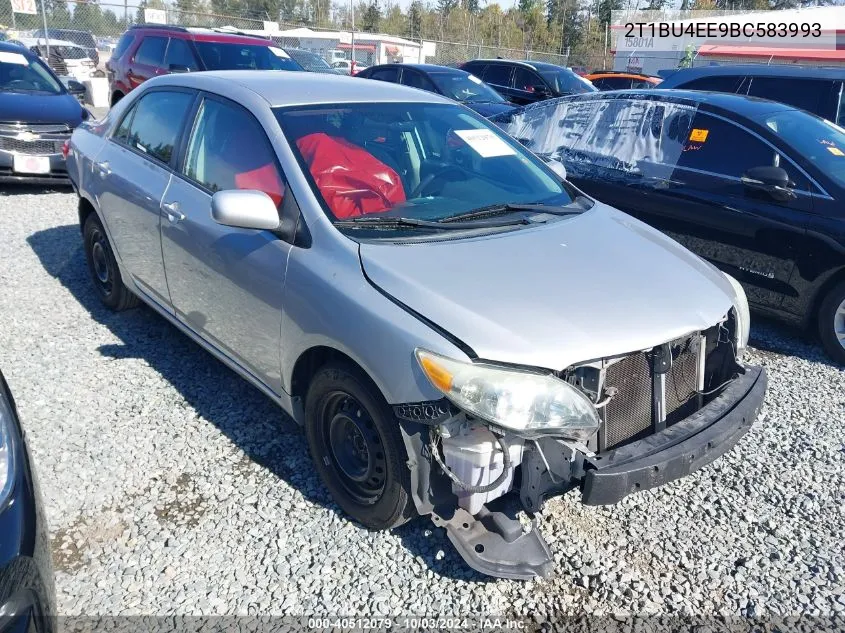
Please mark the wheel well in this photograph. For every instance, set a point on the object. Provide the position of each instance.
(85, 209)
(116, 96)
(821, 293)
(310, 361)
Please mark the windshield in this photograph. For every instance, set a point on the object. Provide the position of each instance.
(310, 61)
(19, 74)
(564, 82)
(229, 56)
(419, 161)
(465, 88)
(819, 141)
(82, 38)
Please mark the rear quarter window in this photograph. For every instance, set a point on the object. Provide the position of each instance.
(123, 45)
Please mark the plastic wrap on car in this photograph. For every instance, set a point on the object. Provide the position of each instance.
(620, 139)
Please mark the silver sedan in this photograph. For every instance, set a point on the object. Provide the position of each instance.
(454, 324)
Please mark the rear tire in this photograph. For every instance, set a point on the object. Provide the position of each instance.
(832, 323)
(357, 447)
(103, 267)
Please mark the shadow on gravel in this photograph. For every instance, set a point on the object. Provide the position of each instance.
(24, 189)
(246, 416)
(774, 339)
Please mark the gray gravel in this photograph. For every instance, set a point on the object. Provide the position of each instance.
(173, 487)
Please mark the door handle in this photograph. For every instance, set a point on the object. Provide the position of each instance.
(103, 168)
(171, 210)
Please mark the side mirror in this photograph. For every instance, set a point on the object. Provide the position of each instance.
(178, 68)
(245, 209)
(771, 180)
(541, 90)
(76, 88)
(558, 167)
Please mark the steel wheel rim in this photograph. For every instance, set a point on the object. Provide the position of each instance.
(839, 323)
(355, 448)
(100, 261)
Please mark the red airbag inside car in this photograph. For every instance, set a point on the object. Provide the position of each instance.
(352, 181)
(265, 179)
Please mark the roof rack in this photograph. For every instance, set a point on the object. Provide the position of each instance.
(165, 27)
(234, 31)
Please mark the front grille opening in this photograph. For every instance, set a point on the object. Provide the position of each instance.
(644, 396)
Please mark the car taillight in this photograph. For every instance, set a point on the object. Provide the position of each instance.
(66, 149)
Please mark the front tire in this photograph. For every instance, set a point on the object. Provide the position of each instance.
(103, 267)
(832, 323)
(357, 447)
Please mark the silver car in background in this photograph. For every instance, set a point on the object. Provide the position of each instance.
(460, 331)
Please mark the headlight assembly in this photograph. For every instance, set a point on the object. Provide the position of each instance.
(743, 314)
(529, 404)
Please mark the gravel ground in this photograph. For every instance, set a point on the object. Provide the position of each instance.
(174, 487)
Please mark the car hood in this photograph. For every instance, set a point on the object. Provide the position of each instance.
(39, 108)
(490, 108)
(594, 285)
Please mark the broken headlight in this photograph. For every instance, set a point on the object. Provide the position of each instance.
(530, 404)
(743, 314)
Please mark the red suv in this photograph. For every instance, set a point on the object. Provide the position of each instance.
(148, 50)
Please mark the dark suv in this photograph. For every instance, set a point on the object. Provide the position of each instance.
(526, 82)
(817, 90)
(80, 38)
(148, 50)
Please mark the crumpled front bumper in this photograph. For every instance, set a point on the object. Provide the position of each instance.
(680, 449)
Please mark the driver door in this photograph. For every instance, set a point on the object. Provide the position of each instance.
(226, 283)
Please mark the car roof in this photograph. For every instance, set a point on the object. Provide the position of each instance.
(759, 70)
(7, 47)
(609, 74)
(287, 88)
(202, 35)
(743, 105)
(428, 68)
(521, 62)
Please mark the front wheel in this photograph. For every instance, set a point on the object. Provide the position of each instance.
(357, 447)
(103, 267)
(832, 323)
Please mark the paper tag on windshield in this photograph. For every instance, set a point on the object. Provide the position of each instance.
(475, 79)
(485, 143)
(13, 58)
(278, 52)
(835, 151)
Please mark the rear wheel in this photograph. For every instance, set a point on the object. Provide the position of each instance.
(357, 448)
(832, 323)
(103, 267)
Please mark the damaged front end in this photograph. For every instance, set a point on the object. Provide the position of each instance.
(607, 427)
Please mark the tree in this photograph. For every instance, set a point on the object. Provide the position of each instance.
(445, 7)
(414, 29)
(371, 18)
(58, 14)
(88, 17)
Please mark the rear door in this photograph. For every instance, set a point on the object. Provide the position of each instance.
(416, 79)
(227, 283)
(132, 173)
(389, 74)
(148, 60)
(180, 57)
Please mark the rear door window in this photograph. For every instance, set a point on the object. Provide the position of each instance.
(154, 124)
(385, 74)
(151, 51)
(498, 75)
(526, 80)
(718, 83)
(179, 55)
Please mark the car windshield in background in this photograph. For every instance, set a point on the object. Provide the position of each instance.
(82, 38)
(565, 81)
(819, 141)
(417, 161)
(228, 56)
(310, 62)
(19, 74)
(465, 88)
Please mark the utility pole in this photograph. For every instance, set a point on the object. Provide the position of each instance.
(352, 11)
(46, 34)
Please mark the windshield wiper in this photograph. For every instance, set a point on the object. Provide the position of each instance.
(501, 209)
(393, 222)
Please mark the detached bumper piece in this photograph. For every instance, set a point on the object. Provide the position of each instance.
(495, 544)
(680, 449)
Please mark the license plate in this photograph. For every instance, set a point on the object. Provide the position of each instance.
(32, 164)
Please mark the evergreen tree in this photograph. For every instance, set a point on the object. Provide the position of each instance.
(371, 18)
